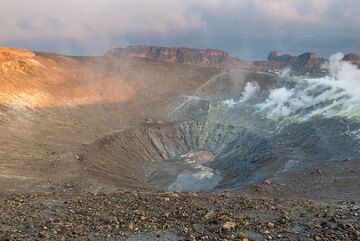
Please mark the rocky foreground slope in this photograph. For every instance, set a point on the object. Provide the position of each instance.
(145, 216)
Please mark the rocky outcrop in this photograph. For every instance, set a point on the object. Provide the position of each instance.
(269, 65)
(353, 58)
(175, 55)
(9, 54)
(17, 60)
(306, 62)
(276, 56)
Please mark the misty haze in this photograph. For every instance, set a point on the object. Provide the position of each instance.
(180, 120)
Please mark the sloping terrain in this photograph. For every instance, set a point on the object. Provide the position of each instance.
(115, 147)
(144, 216)
(49, 110)
(90, 123)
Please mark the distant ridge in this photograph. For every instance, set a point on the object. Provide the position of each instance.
(353, 58)
(307, 62)
(176, 55)
(304, 63)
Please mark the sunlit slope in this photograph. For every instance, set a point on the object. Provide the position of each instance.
(51, 104)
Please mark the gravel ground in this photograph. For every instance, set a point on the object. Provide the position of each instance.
(139, 215)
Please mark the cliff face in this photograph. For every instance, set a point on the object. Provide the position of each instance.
(306, 62)
(353, 58)
(175, 55)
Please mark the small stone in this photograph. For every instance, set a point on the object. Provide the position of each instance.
(174, 194)
(271, 225)
(317, 225)
(210, 215)
(69, 185)
(185, 230)
(317, 238)
(355, 208)
(328, 232)
(229, 225)
(131, 226)
(191, 237)
(242, 235)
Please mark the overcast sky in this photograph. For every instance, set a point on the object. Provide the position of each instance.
(247, 29)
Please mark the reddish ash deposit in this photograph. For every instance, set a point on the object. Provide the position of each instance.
(43, 80)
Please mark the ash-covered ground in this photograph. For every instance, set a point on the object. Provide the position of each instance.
(119, 148)
(144, 216)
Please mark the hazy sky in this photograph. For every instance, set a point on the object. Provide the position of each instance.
(247, 29)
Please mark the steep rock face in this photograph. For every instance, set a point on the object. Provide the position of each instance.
(353, 58)
(175, 55)
(306, 62)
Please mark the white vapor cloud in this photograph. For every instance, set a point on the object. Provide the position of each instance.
(250, 91)
(339, 89)
(338, 93)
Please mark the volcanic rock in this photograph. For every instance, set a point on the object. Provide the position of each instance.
(8, 54)
(175, 55)
(17, 60)
(210, 215)
(306, 62)
(276, 56)
(229, 225)
(353, 58)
